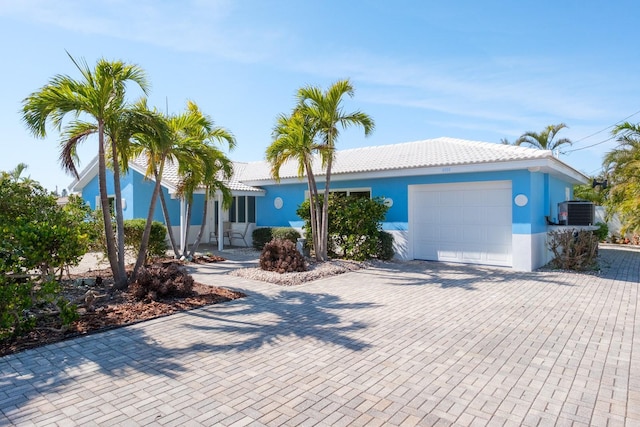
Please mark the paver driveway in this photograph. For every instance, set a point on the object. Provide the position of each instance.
(408, 344)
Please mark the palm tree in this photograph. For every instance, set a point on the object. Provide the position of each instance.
(623, 168)
(293, 139)
(183, 139)
(216, 170)
(325, 113)
(201, 164)
(545, 139)
(100, 96)
(15, 174)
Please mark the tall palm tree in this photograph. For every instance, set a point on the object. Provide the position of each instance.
(622, 165)
(293, 139)
(100, 96)
(192, 145)
(326, 115)
(217, 169)
(544, 140)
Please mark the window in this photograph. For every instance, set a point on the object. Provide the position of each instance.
(349, 192)
(243, 209)
(112, 204)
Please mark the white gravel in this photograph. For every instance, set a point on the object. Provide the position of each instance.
(315, 271)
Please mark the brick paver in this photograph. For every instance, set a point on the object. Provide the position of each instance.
(414, 343)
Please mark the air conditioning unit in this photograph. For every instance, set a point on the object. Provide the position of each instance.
(576, 213)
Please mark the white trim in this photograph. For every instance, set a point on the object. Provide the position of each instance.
(549, 165)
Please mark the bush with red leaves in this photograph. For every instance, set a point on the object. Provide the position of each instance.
(162, 281)
(282, 256)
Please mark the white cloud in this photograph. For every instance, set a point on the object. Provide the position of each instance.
(191, 26)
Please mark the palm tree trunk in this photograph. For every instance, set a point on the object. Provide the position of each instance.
(186, 231)
(167, 222)
(324, 229)
(142, 253)
(121, 282)
(112, 255)
(314, 206)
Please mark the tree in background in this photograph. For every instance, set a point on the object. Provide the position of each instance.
(99, 96)
(545, 140)
(622, 166)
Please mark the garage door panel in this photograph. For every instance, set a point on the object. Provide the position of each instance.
(451, 217)
(451, 198)
(463, 222)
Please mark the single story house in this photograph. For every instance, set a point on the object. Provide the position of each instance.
(450, 199)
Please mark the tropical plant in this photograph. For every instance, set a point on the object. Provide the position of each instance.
(622, 166)
(16, 173)
(201, 164)
(98, 96)
(544, 140)
(354, 225)
(313, 128)
(282, 256)
(293, 140)
(325, 112)
(263, 235)
(38, 239)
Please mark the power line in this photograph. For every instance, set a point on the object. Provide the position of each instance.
(608, 127)
(588, 146)
(600, 131)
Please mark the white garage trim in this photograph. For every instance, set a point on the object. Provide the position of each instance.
(468, 222)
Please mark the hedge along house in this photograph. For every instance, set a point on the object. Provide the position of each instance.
(450, 199)
(136, 197)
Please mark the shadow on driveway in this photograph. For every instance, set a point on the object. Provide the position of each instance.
(125, 352)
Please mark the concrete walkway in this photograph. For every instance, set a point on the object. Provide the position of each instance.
(415, 343)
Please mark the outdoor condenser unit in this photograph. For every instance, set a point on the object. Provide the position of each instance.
(576, 213)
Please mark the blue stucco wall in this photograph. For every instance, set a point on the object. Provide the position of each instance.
(557, 194)
(136, 191)
(543, 193)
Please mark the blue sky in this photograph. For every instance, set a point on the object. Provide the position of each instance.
(480, 70)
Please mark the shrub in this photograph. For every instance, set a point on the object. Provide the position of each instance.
(573, 250)
(385, 246)
(286, 233)
(354, 225)
(281, 256)
(133, 229)
(37, 239)
(162, 281)
(261, 236)
(602, 232)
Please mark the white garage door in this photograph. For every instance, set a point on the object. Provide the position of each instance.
(463, 222)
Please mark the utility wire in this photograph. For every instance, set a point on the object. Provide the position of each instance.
(600, 131)
(589, 146)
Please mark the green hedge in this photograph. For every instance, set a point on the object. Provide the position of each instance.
(261, 236)
(133, 229)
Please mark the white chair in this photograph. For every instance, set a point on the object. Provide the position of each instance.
(236, 234)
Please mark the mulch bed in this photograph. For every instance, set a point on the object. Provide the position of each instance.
(101, 307)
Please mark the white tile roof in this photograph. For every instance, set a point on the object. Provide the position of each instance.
(437, 152)
(171, 177)
(419, 154)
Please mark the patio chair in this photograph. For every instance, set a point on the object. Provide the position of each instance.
(226, 233)
(236, 234)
